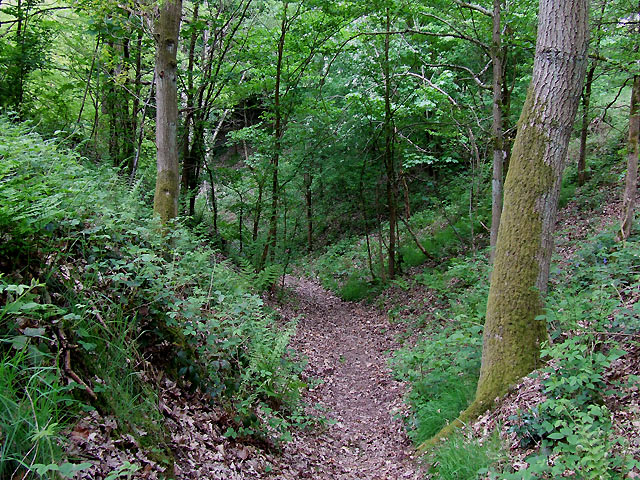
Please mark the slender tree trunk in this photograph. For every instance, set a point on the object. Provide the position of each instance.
(383, 273)
(631, 182)
(127, 122)
(272, 236)
(363, 208)
(308, 198)
(258, 213)
(90, 76)
(110, 107)
(136, 157)
(188, 159)
(165, 201)
(240, 221)
(586, 98)
(389, 159)
(512, 335)
(214, 200)
(20, 34)
(499, 153)
(584, 129)
(195, 156)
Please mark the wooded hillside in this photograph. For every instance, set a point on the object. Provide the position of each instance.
(312, 239)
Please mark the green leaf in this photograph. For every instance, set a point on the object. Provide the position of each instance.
(68, 470)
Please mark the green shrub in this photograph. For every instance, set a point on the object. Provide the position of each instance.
(411, 256)
(354, 289)
(126, 294)
(573, 424)
(34, 405)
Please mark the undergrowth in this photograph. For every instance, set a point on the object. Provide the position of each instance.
(355, 271)
(97, 302)
(590, 325)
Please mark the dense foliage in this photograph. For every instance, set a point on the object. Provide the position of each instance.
(353, 142)
(94, 296)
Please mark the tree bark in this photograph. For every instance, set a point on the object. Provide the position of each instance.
(165, 201)
(584, 128)
(631, 182)
(586, 99)
(308, 179)
(389, 159)
(272, 236)
(499, 153)
(512, 335)
(189, 183)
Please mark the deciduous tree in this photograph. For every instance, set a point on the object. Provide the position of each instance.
(512, 334)
(165, 201)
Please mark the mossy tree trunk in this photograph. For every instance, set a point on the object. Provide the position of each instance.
(165, 201)
(512, 335)
(631, 182)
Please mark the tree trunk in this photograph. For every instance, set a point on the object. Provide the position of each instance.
(214, 200)
(631, 182)
(258, 212)
(512, 335)
(586, 98)
(586, 102)
(308, 198)
(188, 158)
(275, 159)
(165, 201)
(127, 132)
(388, 154)
(499, 154)
(365, 220)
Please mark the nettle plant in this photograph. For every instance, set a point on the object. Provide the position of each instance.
(572, 427)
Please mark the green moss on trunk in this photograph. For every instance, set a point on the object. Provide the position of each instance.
(512, 335)
(165, 201)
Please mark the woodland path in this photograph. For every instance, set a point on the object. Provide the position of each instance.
(347, 346)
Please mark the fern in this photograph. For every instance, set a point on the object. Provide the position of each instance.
(258, 281)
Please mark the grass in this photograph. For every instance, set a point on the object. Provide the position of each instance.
(32, 405)
(461, 458)
(438, 402)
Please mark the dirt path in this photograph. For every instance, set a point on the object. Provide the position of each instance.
(347, 346)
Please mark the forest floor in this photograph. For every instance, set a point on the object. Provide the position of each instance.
(347, 345)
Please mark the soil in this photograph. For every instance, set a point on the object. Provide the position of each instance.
(347, 345)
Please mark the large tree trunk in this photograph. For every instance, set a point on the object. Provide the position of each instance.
(631, 182)
(512, 335)
(499, 153)
(165, 201)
